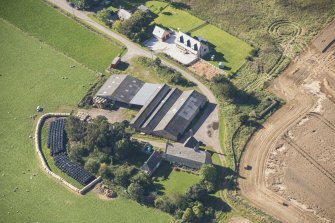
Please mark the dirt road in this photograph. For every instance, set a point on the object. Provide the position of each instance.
(293, 86)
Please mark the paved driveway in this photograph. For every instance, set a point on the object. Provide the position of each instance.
(169, 47)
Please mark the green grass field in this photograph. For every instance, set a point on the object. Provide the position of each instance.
(228, 48)
(50, 26)
(176, 19)
(155, 6)
(176, 181)
(31, 74)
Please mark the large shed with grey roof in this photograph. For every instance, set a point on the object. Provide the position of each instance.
(127, 89)
(180, 155)
(169, 112)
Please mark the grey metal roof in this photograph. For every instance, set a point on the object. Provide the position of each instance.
(162, 109)
(191, 142)
(145, 93)
(181, 114)
(149, 106)
(152, 162)
(177, 153)
(121, 88)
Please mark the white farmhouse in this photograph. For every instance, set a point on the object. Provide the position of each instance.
(188, 44)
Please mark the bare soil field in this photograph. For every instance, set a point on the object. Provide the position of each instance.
(292, 156)
(325, 39)
(205, 69)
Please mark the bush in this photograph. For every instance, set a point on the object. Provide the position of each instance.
(92, 166)
(135, 28)
(172, 76)
(135, 191)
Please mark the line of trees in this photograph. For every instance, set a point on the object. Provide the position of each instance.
(172, 76)
(85, 4)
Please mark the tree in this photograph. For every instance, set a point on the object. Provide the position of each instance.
(198, 210)
(188, 215)
(85, 4)
(77, 152)
(135, 191)
(92, 166)
(208, 173)
(122, 175)
(75, 128)
(135, 27)
(224, 88)
(157, 61)
(196, 192)
(104, 171)
(165, 204)
(142, 179)
(122, 149)
(104, 15)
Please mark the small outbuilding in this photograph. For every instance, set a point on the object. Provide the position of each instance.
(143, 8)
(161, 34)
(152, 163)
(123, 14)
(116, 61)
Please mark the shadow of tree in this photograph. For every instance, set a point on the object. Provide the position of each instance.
(180, 5)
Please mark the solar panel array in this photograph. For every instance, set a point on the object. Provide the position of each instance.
(73, 169)
(56, 137)
(56, 143)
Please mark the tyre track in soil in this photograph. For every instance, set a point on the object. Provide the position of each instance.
(253, 187)
(300, 103)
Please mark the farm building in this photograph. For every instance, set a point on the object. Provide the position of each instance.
(123, 14)
(169, 112)
(127, 90)
(143, 8)
(196, 46)
(116, 61)
(180, 155)
(160, 34)
(152, 163)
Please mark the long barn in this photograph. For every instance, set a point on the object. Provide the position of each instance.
(165, 111)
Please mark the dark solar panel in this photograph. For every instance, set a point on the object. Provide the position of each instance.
(56, 137)
(56, 143)
(73, 169)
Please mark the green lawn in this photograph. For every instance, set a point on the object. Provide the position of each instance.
(176, 181)
(31, 74)
(228, 48)
(60, 32)
(155, 6)
(177, 19)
